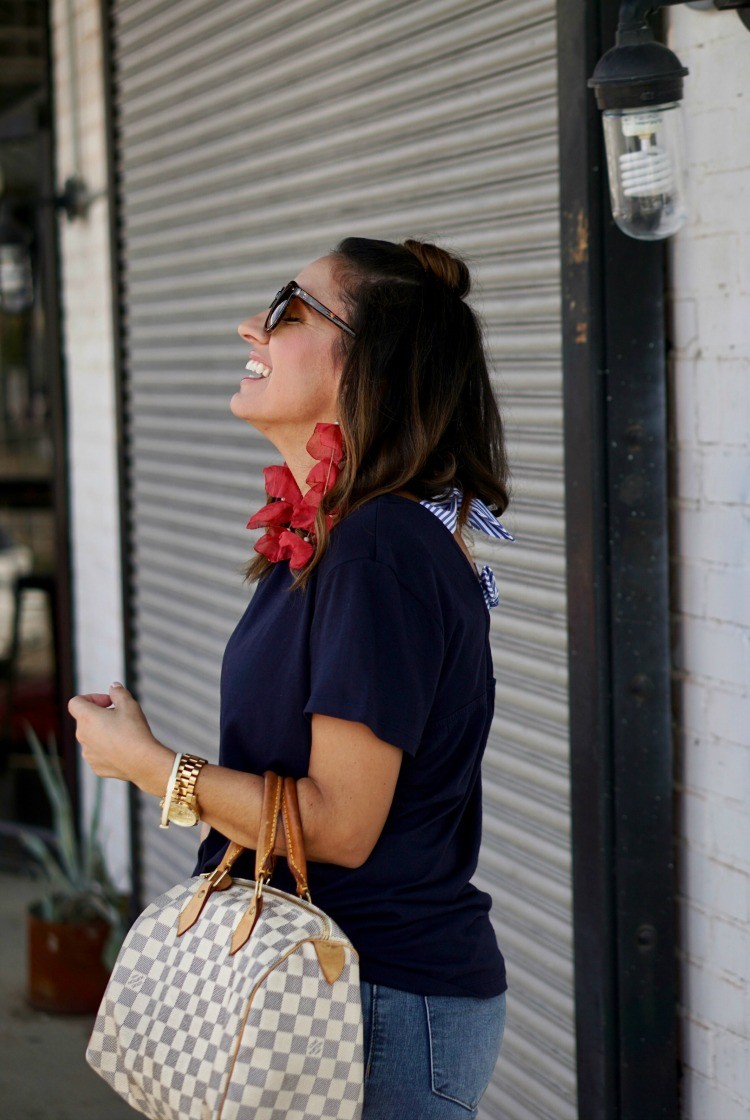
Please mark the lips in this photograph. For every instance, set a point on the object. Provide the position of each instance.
(257, 369)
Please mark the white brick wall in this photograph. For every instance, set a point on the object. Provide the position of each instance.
(710, 388)
(88, 346)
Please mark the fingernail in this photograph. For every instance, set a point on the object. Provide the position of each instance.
(117, 684)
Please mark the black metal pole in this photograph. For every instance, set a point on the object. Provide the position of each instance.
(616, 509)
(591, 763)
(51, 287)
(640, 654)
(641, 720)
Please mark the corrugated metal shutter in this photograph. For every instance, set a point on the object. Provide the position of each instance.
(252, 137)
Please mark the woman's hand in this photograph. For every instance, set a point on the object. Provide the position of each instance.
(117, 741)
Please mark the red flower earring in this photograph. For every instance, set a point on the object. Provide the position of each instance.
(289, 518)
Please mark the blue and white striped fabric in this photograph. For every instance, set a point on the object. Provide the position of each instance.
(481, 518)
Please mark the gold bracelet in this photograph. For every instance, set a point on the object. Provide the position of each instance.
(183, 805)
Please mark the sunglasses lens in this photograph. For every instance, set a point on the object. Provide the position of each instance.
(277, 310)
(279, 304)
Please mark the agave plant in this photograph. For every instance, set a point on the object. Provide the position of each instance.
(80, 887)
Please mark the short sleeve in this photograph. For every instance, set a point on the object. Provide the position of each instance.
(376, 652)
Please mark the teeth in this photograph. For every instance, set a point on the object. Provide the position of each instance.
(257, 369)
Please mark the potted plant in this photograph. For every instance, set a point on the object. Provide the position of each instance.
(76, 928)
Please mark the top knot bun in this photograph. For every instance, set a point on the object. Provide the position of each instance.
(446, 268)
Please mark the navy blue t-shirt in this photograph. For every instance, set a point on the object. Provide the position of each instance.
(391, 631)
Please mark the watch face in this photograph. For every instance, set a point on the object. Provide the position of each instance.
(182, 814)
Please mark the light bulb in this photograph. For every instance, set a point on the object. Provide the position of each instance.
(16, 282)
(646, 170)
(638, 86)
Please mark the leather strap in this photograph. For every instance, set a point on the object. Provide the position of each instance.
(275, 794)
(265, 860)
(246, 924)
(295, 844)
(218, 880)
(279, 795)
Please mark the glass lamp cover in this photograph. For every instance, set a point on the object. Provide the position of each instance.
(16, 284)
(646, 165)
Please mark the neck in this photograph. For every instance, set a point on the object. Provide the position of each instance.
(300, 463)
(292, 445)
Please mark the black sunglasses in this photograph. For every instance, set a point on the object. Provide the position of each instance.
(291, 291)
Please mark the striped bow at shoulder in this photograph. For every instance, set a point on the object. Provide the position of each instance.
(447, 508)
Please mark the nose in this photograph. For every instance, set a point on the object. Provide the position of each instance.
(253, 330)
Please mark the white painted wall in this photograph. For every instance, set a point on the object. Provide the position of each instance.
(88, 351)
(710, 386)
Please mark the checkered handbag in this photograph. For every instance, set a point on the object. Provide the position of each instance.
(231, 1000)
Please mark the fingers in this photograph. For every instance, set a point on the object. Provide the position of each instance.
(117, 693)
(79, 705)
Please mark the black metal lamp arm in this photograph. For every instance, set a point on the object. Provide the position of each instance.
(633, 13)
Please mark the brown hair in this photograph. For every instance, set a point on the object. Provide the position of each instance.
(416, 406)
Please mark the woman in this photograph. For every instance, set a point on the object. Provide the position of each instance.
(362, 665)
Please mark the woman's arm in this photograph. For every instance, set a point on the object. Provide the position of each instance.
(344, 800)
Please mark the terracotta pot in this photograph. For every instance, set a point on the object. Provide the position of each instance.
(65, 969)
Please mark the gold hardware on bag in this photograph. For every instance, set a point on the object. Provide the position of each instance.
(279, 798)
(217, 880)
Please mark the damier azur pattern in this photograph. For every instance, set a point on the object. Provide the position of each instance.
(187, 1032)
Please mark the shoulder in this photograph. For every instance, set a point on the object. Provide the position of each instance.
(389, 530)
(400, 539)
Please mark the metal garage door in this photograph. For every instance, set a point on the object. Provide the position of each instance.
(251, 137)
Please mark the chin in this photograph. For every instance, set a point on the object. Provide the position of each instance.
(240, 407)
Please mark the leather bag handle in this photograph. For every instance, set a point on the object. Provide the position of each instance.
(279, 795)
(295, 842)
(265, 860)
(276, 794)
(217, 880)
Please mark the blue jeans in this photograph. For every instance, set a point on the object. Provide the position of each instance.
(428, 1057)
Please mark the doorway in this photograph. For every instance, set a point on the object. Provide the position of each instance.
(35, 644)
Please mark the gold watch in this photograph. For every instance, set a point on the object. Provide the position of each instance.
(183, 803)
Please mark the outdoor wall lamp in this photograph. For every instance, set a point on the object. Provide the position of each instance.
(638, 87)
(16, 278)
(16, 240)
(75, 198)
